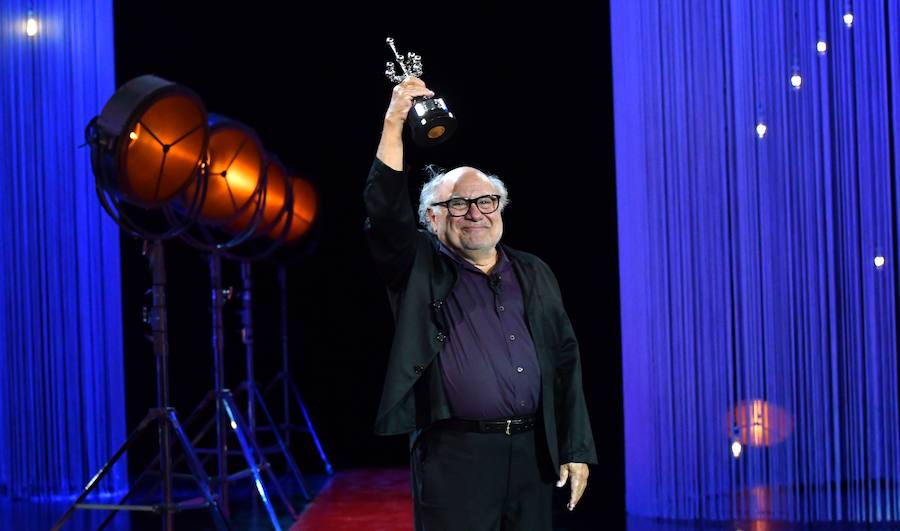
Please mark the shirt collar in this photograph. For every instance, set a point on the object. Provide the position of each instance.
(502, 259)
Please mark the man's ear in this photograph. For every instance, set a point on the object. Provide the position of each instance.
(432, 217)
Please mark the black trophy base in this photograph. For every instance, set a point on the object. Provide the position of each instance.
(430, 122)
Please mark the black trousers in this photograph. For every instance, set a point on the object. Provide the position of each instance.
(467, 481)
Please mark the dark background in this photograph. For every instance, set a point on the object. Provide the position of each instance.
(531, 88)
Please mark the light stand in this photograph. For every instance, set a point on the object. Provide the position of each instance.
(298, 225)
(289, 389)
(148, 119)
(236, 204)
(166, 420)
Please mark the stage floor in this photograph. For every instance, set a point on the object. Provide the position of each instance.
(355, 500)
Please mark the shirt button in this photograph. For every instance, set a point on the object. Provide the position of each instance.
(501, 308)
(512, 337)
(520, 369)
(522, 403)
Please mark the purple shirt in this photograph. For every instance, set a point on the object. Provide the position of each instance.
(489, 364)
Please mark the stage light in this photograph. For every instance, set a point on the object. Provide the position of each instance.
(147, 145)
(761, 130)
(303, 210)
(821, 47)
(879, 262)
(236, 169)
(848, 19)
(153, 135)
(31, 25)
(276, 192)
(796, 81)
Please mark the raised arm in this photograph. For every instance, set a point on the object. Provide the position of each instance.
(391, 223)
(390, 149)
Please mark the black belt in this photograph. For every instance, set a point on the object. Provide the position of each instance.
(508, 426)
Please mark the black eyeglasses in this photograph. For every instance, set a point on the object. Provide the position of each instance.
(459, 206)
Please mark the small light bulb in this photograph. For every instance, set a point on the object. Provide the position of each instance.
(31, 26)
(132, 135)
(761, 129)
(879, 261)
(848, 19)
(737, 449)
(796, 81)
(821, 47)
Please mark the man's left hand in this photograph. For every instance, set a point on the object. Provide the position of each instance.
(577, 474)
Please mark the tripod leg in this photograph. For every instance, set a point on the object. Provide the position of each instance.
(207, 400)
(295, 470)
(240, 429)
(154, 414)
(155, 462)
(276, 485)
(198, 472)
(312, 431)
(272, 383)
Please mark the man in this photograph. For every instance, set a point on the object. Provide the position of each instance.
(484, 371)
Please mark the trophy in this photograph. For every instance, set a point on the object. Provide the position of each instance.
(429, 120)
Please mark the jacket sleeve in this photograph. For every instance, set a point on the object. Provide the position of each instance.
(390, 224)
(576, 440)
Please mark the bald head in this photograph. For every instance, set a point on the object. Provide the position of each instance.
(458, 177)
(472, 234)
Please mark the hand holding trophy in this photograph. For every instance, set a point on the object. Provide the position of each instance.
(429, 120)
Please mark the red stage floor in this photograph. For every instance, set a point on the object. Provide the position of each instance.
(357, 500)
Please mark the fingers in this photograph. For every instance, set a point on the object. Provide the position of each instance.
(577, 474)
(412, 81)
(412, 90)
(563, 475)
(405, 96)
(402, 99)
(578, 485)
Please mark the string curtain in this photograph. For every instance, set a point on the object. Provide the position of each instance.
(756, 152)
(62, 409)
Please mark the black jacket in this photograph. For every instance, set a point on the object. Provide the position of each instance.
(419, 279)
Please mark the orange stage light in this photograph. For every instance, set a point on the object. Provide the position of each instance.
(158, 137)
(273, 211)
(236, 166)
(304, 209)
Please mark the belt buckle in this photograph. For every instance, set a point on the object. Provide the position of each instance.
(508, 422)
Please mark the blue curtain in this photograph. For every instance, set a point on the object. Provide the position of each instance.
(61, 367)
(759, 264)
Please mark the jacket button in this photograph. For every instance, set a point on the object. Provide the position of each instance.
(437, 304)
(419, 369)
(441, 337)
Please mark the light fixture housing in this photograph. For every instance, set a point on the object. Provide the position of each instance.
(153, 137)
(303, 212)
(236, 165)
